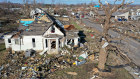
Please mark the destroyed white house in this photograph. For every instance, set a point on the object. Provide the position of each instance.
(135, 15)
(37, 10)
(42, 33)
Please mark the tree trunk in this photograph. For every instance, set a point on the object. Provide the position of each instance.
(106, 26)
(102, 57)
(103, 53)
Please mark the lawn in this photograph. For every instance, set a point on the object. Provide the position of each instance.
(3, 54)
(82, 72)
(2, 47)
(75, 25)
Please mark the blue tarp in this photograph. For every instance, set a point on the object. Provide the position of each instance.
(26, 23)
(97, 6)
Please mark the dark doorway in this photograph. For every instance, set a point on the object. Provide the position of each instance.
(53, 44)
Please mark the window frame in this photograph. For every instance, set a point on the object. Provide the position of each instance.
(9, 40)
(17, 41)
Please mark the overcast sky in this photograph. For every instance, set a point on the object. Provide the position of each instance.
(69, 1)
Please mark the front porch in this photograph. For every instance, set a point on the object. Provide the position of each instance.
(53, 44)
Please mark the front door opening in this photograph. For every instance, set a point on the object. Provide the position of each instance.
(53, 44)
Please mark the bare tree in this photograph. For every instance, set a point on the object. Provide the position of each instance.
(109, 10)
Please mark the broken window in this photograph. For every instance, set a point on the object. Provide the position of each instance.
(9, 40)
(53, 44)
(52, 29)
(17, 41)
(70, 41)
(33, 42)
(46, 42)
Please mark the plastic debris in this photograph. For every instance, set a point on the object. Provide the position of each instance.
(23, 68)
(91, 57)
(83, 56)
(42, 52)
(94, 76)
(105, 44)
(29, 53)
(80, 63)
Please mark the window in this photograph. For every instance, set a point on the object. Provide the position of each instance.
(33, 42)
(52, 29)
(9, 40)
(46, 43)
(17, 41)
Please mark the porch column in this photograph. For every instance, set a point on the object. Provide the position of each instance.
(75, 41)
(66, 42)
(49, 44)
(57, 45)
(63, 42)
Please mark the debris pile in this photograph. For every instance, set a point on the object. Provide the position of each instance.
(30, 64)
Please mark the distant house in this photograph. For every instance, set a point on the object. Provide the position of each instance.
(136, 15)
(14, 9)
(42, 33)
(35, 11)
(121, 15)
(91, 13)
(100, 12)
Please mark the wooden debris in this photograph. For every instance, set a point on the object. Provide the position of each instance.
(91, 57)
(95, 70)
(72, 73)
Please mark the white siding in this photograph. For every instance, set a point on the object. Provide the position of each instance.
(75, 41)
(26, 43)
(6, 37)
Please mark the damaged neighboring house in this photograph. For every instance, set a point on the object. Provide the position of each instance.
(42, 33)
(121, 16)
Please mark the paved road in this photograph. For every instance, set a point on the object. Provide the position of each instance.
(129, 44)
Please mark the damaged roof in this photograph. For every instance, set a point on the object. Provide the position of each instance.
(72, 34)
(35, 28)
(39, 25)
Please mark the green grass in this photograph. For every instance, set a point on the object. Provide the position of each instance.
(121, 73)
(82, 72)
(76, 25)
(2, 47)
(2, 53)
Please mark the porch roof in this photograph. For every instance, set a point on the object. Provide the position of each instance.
(53, 36)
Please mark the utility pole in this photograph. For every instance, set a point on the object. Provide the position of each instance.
(52, 3)
(34, 4)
